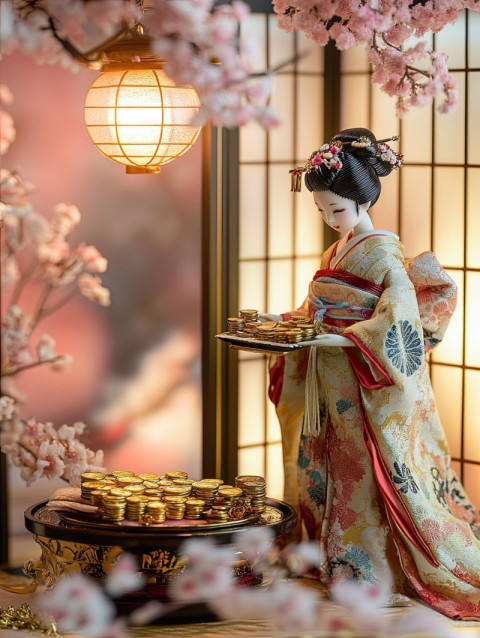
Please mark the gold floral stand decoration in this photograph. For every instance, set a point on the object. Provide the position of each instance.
(73, 543)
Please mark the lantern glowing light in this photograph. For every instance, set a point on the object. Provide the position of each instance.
(138, 117)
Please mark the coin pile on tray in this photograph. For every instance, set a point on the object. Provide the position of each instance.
(255, 489)
(298, 328)
(151, 498)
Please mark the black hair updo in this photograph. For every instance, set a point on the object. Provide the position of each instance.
(358, 177)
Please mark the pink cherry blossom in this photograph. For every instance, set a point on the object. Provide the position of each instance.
(91, 288)
(253, 543)
(93, 260)
(78, 606)
(124, 577)
(7, 131)
(46, 348)
(8, 408)
(49, 460)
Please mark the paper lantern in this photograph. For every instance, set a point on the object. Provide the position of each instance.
(138, 117)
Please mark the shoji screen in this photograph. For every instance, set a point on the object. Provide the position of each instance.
(433, 204)
(280, 236)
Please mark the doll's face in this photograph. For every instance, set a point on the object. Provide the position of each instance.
(339, 212)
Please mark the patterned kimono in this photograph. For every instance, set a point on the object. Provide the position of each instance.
(375, 483)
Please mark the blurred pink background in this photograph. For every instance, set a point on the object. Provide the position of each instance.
(136, 376)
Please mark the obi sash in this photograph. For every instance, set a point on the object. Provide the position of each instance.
(338, 299)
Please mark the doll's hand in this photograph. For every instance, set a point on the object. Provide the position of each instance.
(263, 316)
(333, 340)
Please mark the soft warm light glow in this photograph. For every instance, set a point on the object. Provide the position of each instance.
(140, 118)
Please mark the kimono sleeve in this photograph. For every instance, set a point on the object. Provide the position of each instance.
(389, 344)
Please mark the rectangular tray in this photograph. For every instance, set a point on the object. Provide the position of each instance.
(265, 347)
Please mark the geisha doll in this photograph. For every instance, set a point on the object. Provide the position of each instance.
(375, 484)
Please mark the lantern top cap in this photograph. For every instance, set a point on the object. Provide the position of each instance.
(132, 52)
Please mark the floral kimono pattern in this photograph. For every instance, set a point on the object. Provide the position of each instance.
(375, 483)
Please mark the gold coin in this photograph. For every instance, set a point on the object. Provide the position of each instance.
(250, 478)
(150, 484)
(174, 500)
(230, 491)
(153, 492)
(118, 491)
(136, 489)
(92, 476)
(177, 475)
(89, 485)
(155, 505)
(112, 498)
(149, 477)
(176, 489)
(119, 473)
(137, 499)
(129, 480)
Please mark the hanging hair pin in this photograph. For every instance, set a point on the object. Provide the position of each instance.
(296, 179)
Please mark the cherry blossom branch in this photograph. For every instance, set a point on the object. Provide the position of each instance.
(40, 307)
(201, 42)
(12, 371)
(59, 304)
(395, 64)
(24, 278)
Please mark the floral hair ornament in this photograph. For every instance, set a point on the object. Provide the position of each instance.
(327, 155)
(387, 154)
(384, 152)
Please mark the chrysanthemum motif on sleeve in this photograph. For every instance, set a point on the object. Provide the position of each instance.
(404, 347)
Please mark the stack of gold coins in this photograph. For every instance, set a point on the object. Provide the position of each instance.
(135, 507)
(309, 331)
(194, 508)
(251, 328)
(227, 495)
(174, 507)
(235, 325)
(149, 477)
(114, 507)
(249, 315)
(294, 336)
(88, 487)
(248, 478)
(217, 514)
(157, 511)
(177, 490)
(255, 490)
(206, 490)
(173, 476)
(265, 332)
(280, 335)
(97, 495)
